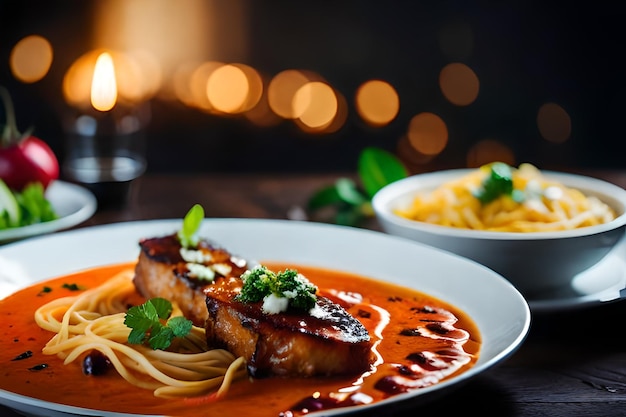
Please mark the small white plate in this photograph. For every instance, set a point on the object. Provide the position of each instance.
(603, 283)
(72, 203)
(497, 308)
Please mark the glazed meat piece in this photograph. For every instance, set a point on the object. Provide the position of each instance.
(161, 271)
(204, 283)
(328, 341)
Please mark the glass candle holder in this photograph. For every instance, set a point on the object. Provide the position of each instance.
(105, 152)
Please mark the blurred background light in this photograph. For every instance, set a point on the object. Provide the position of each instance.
(441, 85)
(554, 123)
(459, 84)
(377, 102)
(428, 133)
(31, 58)
(489, 150)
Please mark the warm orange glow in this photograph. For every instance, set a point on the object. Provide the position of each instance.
(411, 156)
(554, 123)
(198, 84)
(234, 88)
(181, 83)
(427, 133)
(103, 84)
(136, 77)
(487, 151)
(315, 104)
(336, 123)
(31, 59)
(255, 87)
(377, 102)
(227, 89)
(173, 32)
(459, 84)
(282, 89)
(261, 114)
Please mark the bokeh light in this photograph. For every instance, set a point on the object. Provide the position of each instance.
(459, 84)
(337, 121)
(198, 84)
(377, 102)
(487, 151)
(261, 114)
(31, 58)
(428, 133)
(282, 90)
(554, 123)
(315, 104)
(227, 89)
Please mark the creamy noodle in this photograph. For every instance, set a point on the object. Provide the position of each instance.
(547, 205)
(94, 320)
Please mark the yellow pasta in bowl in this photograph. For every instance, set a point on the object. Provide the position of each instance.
(531, 203)
(538, 229)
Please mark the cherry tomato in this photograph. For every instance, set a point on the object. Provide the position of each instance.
(24, 158)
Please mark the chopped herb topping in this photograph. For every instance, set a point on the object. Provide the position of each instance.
(151, 321)
(71, 287)
(45, 290)
(278, 290)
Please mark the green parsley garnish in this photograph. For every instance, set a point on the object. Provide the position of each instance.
(261, 282)
(152, 321)
(499, 182)
(187, 235)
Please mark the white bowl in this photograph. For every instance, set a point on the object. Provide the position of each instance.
(534, 262)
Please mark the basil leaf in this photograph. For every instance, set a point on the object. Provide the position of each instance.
(377, 168)
(343, 191)
(499, 182)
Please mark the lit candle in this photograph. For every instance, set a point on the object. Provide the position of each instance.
(103, 84)
(105, 148)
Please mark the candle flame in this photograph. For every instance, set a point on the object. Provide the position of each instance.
(103, 84)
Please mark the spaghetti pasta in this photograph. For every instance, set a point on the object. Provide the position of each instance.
(546, 205)
(94, 320)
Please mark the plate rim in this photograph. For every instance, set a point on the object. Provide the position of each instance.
(512, 341)
(87, 207)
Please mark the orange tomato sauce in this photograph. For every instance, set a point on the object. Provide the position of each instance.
(398, 343)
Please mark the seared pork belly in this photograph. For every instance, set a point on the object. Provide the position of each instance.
(162, 271)
(204, 283)
(324, 341)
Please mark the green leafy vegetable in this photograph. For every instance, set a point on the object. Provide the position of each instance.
(151, 321)
(187, 235)
(499, 182)
(26, 207)
(352, 203)
(261, 282)
(378, 168)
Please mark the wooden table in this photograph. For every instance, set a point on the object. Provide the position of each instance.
(573, 363)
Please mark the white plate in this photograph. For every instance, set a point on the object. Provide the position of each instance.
(72, 203)
(603, 283)
(500, 312)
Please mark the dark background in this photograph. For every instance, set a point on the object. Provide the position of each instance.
(525, 53)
